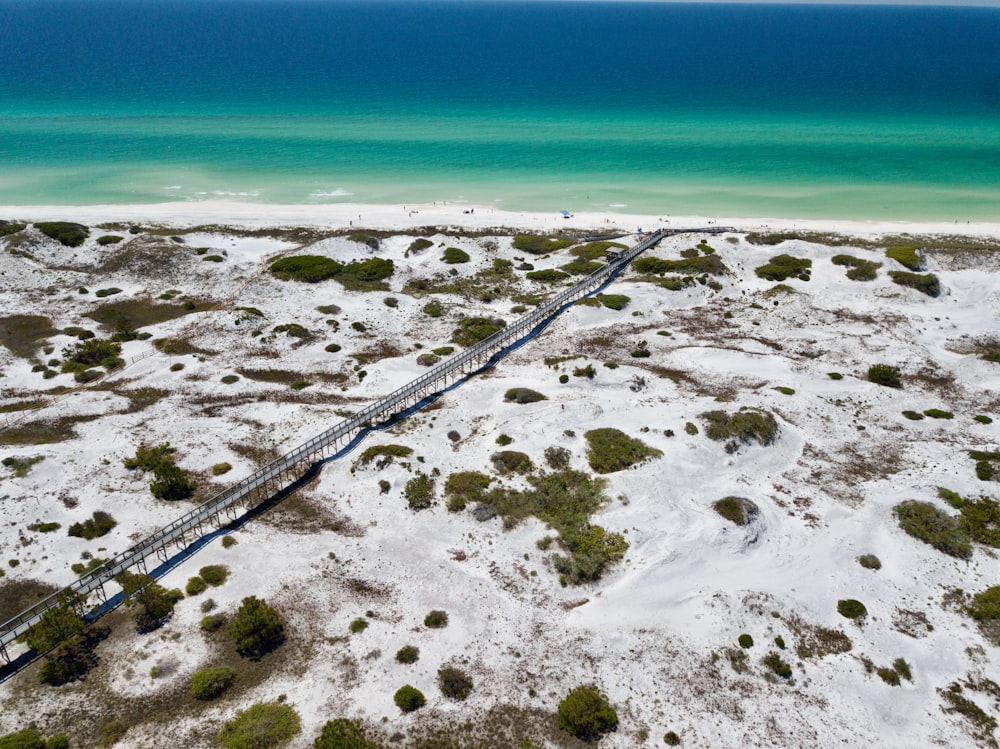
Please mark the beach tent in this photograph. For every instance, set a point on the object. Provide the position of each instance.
(566, 214)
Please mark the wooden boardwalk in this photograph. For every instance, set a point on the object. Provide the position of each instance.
(225, 507)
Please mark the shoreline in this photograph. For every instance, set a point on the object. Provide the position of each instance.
(397, 217)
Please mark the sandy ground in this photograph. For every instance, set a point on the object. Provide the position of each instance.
(655, 633)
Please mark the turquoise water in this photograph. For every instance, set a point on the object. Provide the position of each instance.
(793, 111)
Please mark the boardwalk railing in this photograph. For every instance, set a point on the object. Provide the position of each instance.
(276, 475)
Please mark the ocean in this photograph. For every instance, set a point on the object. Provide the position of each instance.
(797, 111)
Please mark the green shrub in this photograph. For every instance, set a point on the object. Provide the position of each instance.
(563, 378)
(548, 275)
(781, 267)
(113, 732)
(926, 284)
(209, 683)
(736, 510)
(983, 419)
(913, 415)
(909, 256)
(888, 675)
(256, 629)
(428, 360)
(523, 395)
(780, 642)
(610, 450)
(152, 602)
(454, 255)
(472, 330)
(213, 622)
(860, 270)
(408, 699)
(11, 227)
(835, 375)
(419, 492)
(443, 350)
(581, 266)
(741, 428)
(229, 379)
(148, 458)
(214, 574)
(195, 585)
(455, 684)
(557, 458)
(306, 268)
(586, 713)
(102, 293)
(213, 258)
(925, 522)
(418, 245)
(65, 233)
(266, 725)
(433, 308)
(587, 371)
(778, 665)
(358, 625)
(384, 453)
(745, 641)
(408, 654)
(693, 266)
(228, 541)
(21, 467)
(511, 461)
(465, 487)
(343, 734)
(436, 619)
(171, 482)
(851, 608)
(985, 609)
(90, 353)
(937, 413)
(26, 739)
(366, 275)
(44, 527)
(99, 524)
(870, 562)
(539, 245)
(785, 390)
(670, 738)
(221, 468)
(885, 375)
(109, 239)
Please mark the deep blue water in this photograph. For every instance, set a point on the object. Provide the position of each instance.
(758, 109)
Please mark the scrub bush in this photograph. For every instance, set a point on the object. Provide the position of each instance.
(409, 698)
(586, 713)
(610, 450)
(266, 725)
(209, 683)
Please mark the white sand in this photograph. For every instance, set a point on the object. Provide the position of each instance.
(690, 583)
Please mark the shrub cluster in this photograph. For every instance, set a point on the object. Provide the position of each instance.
(707, 264)
(784, 266)
(778, 665)
(408, 654)
(465, 487)
(409, 698)
(170, 481)
(472, 330)
(266, 725)
(419, 492)
(549, 275)
(926, 283)
(924, 521)
(64, 232)
(153, 603)
(343, 734)
(523, 395)
(383, 455)
(358, 275)
(540, 245)
(909, 256)
(885, 375)
(209, 683)
(455, 684)
(738, 510)
(851, 608)
(860, 270)
(454, 255)
(99, 524)
(610, 450)
(985, 609)
(870, 562)
(511, 461)
(741, 428)
(436, 619)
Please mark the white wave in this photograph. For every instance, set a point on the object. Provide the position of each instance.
(338, 193)
(172, 187)
(617, 205)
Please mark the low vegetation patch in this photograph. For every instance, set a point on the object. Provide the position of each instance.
(152, 603)
(265, 725)
(909, 256)
(611, 450)
(21, 467)
(383, 455)
(870, 562)
(926, 283)
(710, 265)
(359, 275)
(743, 427)
(523, 395)
(985, 609)
(778, 665)
(738, 510)
(65, 233)
(454, 256)
(851, 608)
(613, 301)
(408, 654)
(455, 684)
(595, 250)
(859, 269)
(472, 330)
(99, 524)
(256, 629)
(781, 267)
(885, 374)
(343, 733)
(548, 275)
(464, 488)
(925, 522)
(511, 461)
(535, 244)
(419, 492)
(209, 683)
